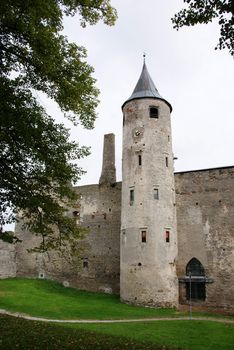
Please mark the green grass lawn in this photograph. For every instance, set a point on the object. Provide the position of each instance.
(50, 299)
(25, 335)
(191, 335)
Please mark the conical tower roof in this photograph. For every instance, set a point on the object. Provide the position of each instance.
(145, 88)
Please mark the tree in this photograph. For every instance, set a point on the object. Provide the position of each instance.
(36, 156)
(204, 11)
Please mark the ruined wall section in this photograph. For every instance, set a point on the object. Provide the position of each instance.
(7, 260)
(108, 175)
(205, 212)
(100, 214)
(97, 266)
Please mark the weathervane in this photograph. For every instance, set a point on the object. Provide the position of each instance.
(144, 54)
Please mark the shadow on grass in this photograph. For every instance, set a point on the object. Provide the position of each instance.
(22, 334)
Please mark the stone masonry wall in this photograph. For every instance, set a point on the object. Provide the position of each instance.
(7, 260)
(97, 266)
(205, 223)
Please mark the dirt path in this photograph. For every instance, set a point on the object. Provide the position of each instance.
(32, 318)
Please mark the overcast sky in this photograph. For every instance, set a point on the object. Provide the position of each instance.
(187, 71)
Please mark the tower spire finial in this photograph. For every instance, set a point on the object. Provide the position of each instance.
(145, 87)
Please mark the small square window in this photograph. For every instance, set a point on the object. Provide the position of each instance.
(85, 264)
(76, 216)
(153, 112)
(143, 236)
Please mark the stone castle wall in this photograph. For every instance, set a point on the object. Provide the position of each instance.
(97, 266)
(205, 223)
(205, 212)
(7, 260)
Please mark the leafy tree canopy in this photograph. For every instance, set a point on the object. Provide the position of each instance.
(204, 11)
(36, 156)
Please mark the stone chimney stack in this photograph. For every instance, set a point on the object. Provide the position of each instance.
(108, 175)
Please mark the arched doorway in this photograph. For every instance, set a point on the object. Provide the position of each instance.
(195, 286)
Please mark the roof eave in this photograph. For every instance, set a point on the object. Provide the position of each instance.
(151, 97)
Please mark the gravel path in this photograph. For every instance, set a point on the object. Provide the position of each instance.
(32, 318)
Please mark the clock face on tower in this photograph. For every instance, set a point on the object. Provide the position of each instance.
(137, 132)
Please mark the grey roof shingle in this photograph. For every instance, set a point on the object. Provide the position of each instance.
(145, 88)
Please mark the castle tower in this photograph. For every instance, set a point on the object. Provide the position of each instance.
(148, 241)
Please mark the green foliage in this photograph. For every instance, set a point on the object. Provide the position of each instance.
(9, 237)
(17, 333)
(204, 11)
(36, 156)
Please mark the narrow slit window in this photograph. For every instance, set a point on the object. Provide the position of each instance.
(167, 236)
(156, 193)
(143, 236)
(139, 159)
(166, 161)
(153, 112)
(131, 196)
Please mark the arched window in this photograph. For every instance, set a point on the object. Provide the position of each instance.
(195, 268)
(195, 286)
